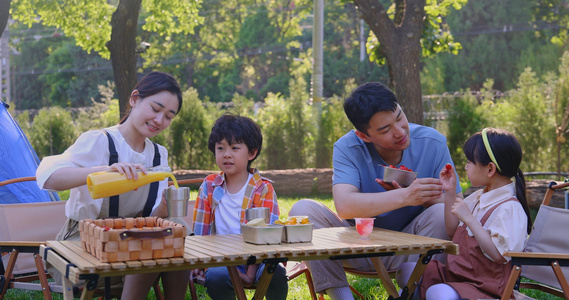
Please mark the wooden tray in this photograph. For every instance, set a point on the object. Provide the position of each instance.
(127, 239)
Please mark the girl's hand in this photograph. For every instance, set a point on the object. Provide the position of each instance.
(448, 178)
(130, 170)
(461, 211)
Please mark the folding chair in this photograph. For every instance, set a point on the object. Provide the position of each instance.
(295, 269)
(23, 227)
(545, 259)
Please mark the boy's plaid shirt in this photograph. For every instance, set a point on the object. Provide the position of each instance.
(259, 193)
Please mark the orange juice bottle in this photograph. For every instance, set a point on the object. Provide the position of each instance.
(106, 184)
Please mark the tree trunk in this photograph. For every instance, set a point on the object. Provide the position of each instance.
(122, 47)
(400, 44)
(4, 14)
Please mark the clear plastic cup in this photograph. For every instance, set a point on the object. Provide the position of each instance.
(364, 227)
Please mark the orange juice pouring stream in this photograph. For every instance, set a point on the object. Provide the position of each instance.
(106, 184)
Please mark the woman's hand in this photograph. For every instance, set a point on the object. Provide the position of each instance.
(130, 170)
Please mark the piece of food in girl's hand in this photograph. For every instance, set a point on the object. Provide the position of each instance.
(448, 167)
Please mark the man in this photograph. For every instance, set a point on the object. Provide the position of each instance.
(382, 137)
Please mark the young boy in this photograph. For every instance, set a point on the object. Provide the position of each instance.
(222, 199)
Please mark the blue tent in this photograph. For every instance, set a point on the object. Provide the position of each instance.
(18, 159)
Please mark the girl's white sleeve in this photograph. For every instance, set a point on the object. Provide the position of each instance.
(508, 228)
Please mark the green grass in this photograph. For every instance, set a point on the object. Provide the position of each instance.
(298, 288)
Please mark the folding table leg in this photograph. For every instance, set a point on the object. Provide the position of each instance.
(67, 289)
(384, 277)
(420, 267)
(265, 280)
(236, 281)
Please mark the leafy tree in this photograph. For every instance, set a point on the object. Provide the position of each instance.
(552, 12)
(110, 28)
(52, 131)
(33, 55)
(433, 77)
(404, 32)
(524, 112)
(188, 135)
(464, 119)
(60, 72)
(100, 114)
(342, 65)
(334, 124)
(499, 41)
(558, 90)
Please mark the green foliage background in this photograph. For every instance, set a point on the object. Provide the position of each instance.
(294, 137)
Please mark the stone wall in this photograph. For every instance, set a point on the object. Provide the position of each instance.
(305, 182)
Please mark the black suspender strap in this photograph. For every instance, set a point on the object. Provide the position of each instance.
(153, 186)
(153, 193)
(113, 158)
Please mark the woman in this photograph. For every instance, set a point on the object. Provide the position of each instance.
(123, 148)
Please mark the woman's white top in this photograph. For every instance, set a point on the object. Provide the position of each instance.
(507, 225)
(91, 149)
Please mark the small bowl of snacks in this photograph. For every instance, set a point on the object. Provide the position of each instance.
(402, 175)
(297, 229)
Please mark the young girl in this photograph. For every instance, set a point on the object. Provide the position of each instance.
(123, 148)
(486, 224)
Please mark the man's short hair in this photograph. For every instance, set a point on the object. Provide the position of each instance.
(365, 101)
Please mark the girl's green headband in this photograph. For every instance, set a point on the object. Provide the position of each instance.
(489, 149)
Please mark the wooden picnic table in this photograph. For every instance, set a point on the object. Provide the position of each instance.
(230, 251)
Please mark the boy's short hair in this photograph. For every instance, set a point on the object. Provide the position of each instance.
(236, 129)
(365, 101)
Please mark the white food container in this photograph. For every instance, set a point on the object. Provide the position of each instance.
(297, 233)
(262, 235)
